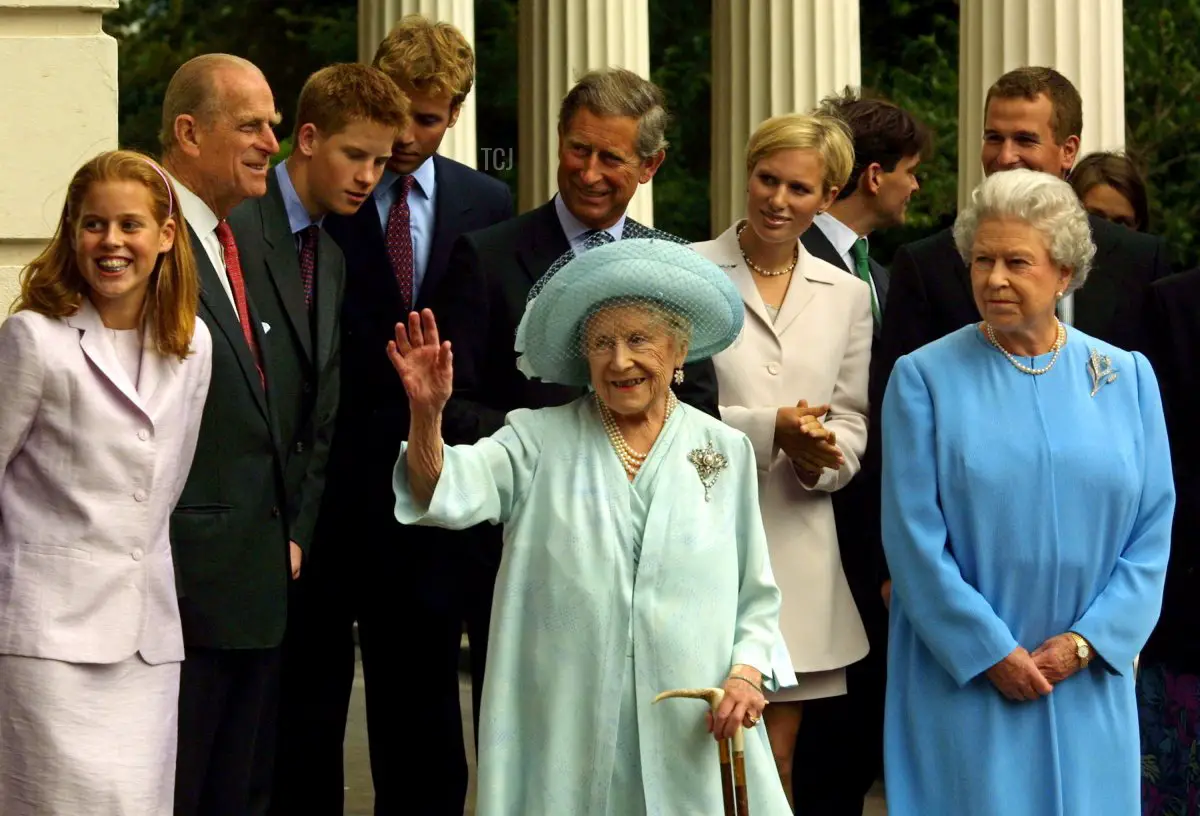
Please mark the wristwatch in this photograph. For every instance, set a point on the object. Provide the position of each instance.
(1082, 650)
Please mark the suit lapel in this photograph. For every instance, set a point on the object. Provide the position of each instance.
(216, 302)
(817, 243)
(99, 351)
(799, 294)
(546, 243)
(325, 304)
(728, 256)
(447, 216)
(282, 261)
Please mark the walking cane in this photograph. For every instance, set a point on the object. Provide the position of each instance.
(733, 785)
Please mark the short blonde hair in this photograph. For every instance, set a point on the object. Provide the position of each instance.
(192, 91)
(52, 284)
(1044, 202)
(821, 132)
(428, 57)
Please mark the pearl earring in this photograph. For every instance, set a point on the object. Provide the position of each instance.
(678, 376)
(1059, 295)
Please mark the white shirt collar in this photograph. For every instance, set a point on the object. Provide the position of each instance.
(841, 236)
(196, 212)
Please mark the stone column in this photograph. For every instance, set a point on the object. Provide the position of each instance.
(771, 57)
(1081, 39)
(560, 40)
(59, 93)
(375, 20)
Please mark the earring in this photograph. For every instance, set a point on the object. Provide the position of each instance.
(1059, 296)
(678, 376)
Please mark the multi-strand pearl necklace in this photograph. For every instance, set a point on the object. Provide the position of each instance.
(1059, 341)
(631, 460)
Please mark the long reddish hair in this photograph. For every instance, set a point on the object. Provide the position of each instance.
(53, 285)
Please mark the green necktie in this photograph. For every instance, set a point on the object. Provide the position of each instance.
(862, 267)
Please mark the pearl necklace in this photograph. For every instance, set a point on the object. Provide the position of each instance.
(767, 273)
(1059, 341)
(631, 460)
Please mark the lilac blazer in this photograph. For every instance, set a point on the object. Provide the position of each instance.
(90, 468)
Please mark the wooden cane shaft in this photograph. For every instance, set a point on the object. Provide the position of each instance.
(726, 778)
(739, 784)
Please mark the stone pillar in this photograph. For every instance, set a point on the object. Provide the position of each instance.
(375, 20)
(59, 91)
(560, 40)
(771, 57)
(1081, 39)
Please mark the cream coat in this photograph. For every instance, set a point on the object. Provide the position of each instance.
(90, 468)
(819, 349)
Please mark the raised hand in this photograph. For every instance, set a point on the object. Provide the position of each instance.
(424, 363)
(802, 437)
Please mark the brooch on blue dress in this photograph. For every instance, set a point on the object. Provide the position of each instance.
(708, 463)
(1101, 368)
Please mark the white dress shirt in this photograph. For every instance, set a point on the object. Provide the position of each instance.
(842, 238)
(203, 222)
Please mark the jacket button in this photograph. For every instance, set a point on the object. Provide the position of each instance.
(773, 368)
(274, 512)
(143, 434)
(137, 555)
(139, 496)
(299, 447)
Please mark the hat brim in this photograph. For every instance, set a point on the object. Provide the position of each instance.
(663, 272)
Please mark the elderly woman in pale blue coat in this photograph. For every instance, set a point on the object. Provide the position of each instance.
(1027, 504)
(635, 560)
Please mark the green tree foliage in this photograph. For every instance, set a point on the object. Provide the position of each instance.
(1162, 108)
(288, 41)
(910, 57)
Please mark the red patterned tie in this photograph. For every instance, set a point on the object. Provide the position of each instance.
(308, 260)
(399, 241)
(233, 270)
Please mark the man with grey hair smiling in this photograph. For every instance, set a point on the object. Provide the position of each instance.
(229, 531)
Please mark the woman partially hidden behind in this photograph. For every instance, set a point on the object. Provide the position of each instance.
(1027, 504)
(635, 560)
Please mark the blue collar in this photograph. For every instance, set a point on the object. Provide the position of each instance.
(298, 217)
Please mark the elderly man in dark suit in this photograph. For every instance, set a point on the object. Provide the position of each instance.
(409, 589)
(347, 119)
(839, 754)
(1033, 117)
(229, 532)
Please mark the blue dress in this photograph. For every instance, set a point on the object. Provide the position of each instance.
(1016, 508)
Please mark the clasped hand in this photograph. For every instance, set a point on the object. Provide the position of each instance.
(424, 362)
(1025, 676)
(809, 444)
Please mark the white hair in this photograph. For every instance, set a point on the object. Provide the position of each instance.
(1046, 203)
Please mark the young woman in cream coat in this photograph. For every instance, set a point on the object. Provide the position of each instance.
(796, 384)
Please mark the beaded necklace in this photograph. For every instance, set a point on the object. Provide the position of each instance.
(631, 460)
(1059, 341)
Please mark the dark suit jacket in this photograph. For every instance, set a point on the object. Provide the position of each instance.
(1173, 346)
(478, 310)
(303, 350)
(373, 414)
(930, 295)
(229, 535)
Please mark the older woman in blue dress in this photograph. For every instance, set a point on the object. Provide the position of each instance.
(1027, 504)
(635, 559)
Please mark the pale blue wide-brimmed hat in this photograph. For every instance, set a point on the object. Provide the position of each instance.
(662, 273)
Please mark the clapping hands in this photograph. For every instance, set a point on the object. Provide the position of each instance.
(809, 444)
